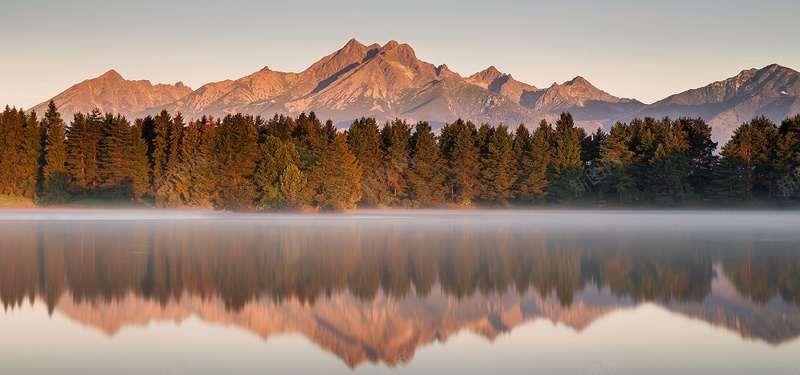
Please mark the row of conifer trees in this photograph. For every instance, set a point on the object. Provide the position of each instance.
(242, 162)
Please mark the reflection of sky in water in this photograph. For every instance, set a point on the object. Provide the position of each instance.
(726, 310)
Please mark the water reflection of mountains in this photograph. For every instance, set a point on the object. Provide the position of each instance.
(375, 289)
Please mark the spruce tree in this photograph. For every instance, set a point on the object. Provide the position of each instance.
(499, 173)
(425, 176)
(140, 173)
(700, 153)
(364, 142)
(459, 147)
(336, 176)
(54, 174)
(162, 125)
(293, 188)
(276, 156)
(616, 160)
(566, 164)
(234, 157)
(117, 158)
(394, 144)
(534, 162)
(31, 152)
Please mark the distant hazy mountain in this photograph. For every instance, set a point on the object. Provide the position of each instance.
(389, 81)
(112, 93)
(773, 91)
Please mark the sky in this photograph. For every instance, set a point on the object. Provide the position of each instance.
(637, 49)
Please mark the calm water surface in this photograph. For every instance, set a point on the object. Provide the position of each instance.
(400, 292)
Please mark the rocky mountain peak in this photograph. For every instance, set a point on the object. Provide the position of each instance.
(579, 81)
(112, 75)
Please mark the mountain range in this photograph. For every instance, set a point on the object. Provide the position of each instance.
(389, 81)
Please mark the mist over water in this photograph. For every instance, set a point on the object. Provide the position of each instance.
(622, 292)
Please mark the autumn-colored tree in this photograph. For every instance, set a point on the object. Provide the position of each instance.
(54, 175)
(234, 157)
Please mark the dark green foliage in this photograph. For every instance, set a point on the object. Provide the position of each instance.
(276, 158)
(730, 178)
(700, 152)
(425, 176)
(590, 146)
(752, 145)
(244, 163)
(335, 179)
(565, 164)
(533, 161)
(459, 147)
(83, 142)
(234, 156)
(365, 144)
(394, 146)
(122, 159)
(499, 170)
(617, 158)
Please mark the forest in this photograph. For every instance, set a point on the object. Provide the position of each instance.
(246, 163)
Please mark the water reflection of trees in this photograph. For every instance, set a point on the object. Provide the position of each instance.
(240, 261)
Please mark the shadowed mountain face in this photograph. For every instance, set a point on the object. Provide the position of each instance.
(377, 288)
(112, 93)
(773, 91)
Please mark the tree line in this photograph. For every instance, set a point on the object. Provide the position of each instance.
(242, 162)
(167, 260)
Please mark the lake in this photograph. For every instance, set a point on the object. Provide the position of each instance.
(400, 292)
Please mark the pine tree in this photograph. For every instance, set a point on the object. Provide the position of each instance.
(425, 176)
(394, 143)
(30, 153)
(234, 157)
(752, 144)
(700, 153)
(364, 142)
(140, 173)
(534, 161)
(82, 142)
(276, 156)
(336, 176)
(566, 163)
(459, 147)
(117, 158)
(293, 187)
(9, 136)
(54, 174)
(730, 178)
(616, 161)
(499, 173)
(161, 147)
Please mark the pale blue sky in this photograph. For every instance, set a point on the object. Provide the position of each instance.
(641, 49)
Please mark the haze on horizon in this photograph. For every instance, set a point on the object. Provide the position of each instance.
(642, 50)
